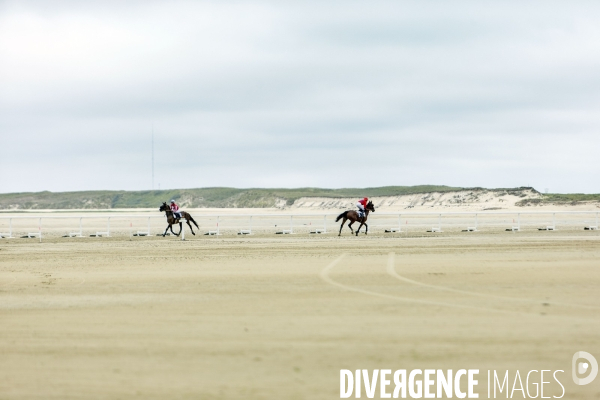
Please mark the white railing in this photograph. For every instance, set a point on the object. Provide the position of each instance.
(248, 224)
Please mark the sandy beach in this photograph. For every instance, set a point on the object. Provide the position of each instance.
(268, 317)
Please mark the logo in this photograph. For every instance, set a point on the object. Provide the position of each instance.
(581, 367)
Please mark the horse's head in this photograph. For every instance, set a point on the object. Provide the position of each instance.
(164, 207)
(370, 206)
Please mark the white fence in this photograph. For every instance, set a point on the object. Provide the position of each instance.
(434, 222)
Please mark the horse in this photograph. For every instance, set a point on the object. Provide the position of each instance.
(353, 217)
(171, 220)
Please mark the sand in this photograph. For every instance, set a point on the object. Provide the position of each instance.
(272, 317)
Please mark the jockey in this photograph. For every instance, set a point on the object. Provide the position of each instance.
(362, 205)
(175, 209)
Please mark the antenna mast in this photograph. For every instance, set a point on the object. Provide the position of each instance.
(152, 156)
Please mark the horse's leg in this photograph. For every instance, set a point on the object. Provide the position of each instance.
(188, 222)
(173, 222)
(366, 228)
(360, 226)
(180, 228)
(165, 234)
(350, 226)
(341, 226)
(170, 222)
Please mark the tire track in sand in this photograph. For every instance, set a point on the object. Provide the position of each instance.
(324, 274)
(391, 269)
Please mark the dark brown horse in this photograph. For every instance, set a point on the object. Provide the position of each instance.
(353, 217)
(171, 220)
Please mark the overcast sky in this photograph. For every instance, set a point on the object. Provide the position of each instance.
(309, 93)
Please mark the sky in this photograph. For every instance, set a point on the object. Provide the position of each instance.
(293, 94)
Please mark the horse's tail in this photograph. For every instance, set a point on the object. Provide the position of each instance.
(342, 215)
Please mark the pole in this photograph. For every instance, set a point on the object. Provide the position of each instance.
(108, 227)
(324, 223)
(152, 156)
(148, 226)
(291, 224)
(476, 221)
(40, 229)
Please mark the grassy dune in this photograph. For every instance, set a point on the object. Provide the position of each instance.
(204, 197)
(232, 197)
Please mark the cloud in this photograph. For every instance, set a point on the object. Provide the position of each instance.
(302, 94)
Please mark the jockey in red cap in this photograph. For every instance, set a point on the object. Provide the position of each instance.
(362, 205)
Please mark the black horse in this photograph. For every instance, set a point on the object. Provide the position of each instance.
(171, 220)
